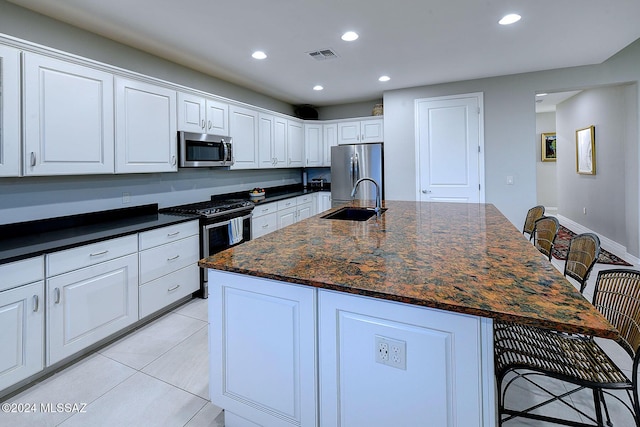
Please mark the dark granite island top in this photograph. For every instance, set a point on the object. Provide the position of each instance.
(465, 258)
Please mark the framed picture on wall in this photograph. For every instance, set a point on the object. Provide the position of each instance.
(586, 151)
(548, 147)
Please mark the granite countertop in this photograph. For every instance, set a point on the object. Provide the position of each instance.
(465, 258)
(33, 238)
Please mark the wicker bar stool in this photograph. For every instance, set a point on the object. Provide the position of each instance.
(583, 253)
(530, 352)
(533, 214)
(545, 231)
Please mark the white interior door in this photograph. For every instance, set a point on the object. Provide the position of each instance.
(449, 149)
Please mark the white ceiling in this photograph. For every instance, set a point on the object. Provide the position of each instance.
(415, 42)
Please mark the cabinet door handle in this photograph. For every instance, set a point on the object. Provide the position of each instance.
(172, 258)
(173, 160)
(173, 289)
(99, 253)
(265, 226)
(33, 158)
(210, 124)
(202, 125)
(173, 234)
(56, 293)
(36, 303)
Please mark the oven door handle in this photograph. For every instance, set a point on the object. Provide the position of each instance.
(222, 223)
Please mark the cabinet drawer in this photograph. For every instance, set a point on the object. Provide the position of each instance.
(307, 198)
(164, 259)
(160, 236)
(168, 289)
(84, 256)
(265, 209)
(21, 272)
(287, 203)
(264, 224)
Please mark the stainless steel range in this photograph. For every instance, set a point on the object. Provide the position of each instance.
(223, 223)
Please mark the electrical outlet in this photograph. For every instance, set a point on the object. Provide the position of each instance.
(382, 351)
(391, 352)
(126, 198)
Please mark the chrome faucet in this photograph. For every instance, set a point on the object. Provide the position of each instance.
(378, 208)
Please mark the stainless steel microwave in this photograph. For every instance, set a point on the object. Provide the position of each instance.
(201, 150)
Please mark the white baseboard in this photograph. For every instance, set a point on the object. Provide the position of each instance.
(606, 243)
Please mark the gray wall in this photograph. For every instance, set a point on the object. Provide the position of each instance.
(610, 196)
(356, 109)
(510, 133)
(26, 25)
(546, 179)
(31, 198)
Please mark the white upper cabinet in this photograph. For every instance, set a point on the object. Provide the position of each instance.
(280, 141)
(191, 113)
(68, 127)
(330, 139)
(361, 131)
(243, 128)
(146, 135)
(313, 139)
(202, 115)
(273, 141)
(9, 111)
(217, 117)
(295, 144)
(265, 140)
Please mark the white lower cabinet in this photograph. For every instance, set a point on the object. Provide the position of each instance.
(266, 375)
(168, 266)
(89, 304)
(276, 215)
(21, 320)
(379, 363)
(324, 201)
(264, 219)
(92, 292)
(383, 363)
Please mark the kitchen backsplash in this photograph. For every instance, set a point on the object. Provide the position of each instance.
(26, 199)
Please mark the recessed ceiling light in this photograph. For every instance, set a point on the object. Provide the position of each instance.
(258, 54)
(384, 78)
(350, 36)
(509, 19)
(317, 87)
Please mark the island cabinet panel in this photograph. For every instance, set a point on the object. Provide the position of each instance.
(383, 363)
(263, 353)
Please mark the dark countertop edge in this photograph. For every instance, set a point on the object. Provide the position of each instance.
(274, 194)
(43, 248)
(603, 333)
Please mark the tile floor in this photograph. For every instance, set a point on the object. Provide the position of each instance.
(158, 376)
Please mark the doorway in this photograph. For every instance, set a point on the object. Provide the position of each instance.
(450, 149)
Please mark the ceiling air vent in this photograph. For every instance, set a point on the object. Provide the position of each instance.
(322, 54)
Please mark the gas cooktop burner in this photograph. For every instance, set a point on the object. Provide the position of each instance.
(213, 208)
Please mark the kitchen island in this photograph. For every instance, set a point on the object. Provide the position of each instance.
(380, 322)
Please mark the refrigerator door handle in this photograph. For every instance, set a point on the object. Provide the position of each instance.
(356, 169)
(352, 171)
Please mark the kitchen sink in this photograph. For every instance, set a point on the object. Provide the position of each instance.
(352, 214)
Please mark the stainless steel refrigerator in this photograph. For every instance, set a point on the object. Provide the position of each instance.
(350, 163)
